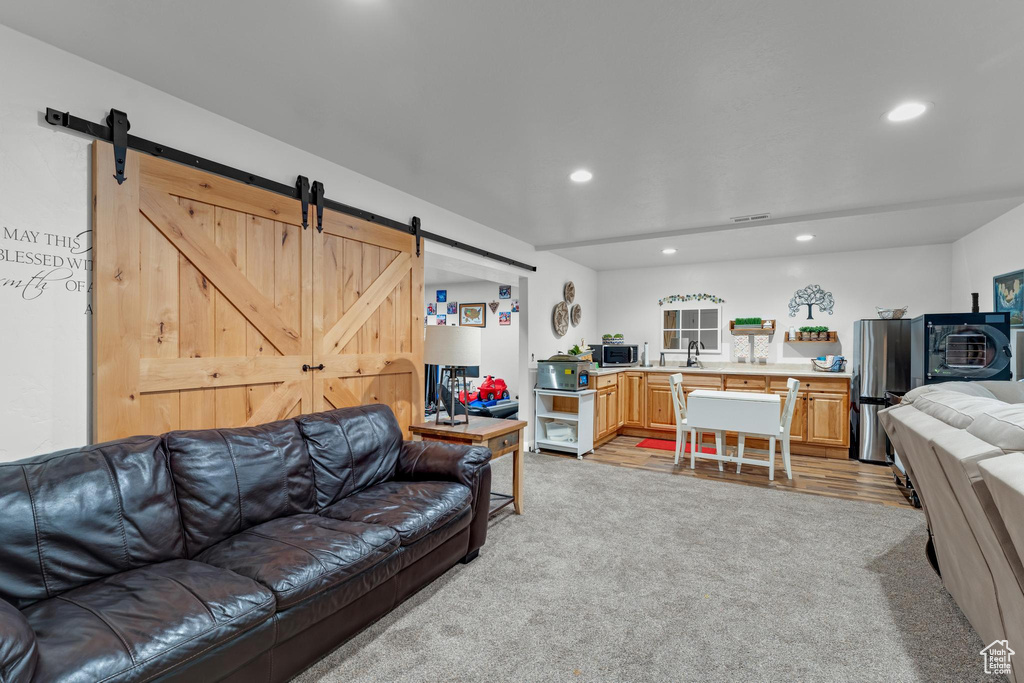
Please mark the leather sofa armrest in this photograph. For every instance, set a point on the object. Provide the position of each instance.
(468, 465)
(18, 649)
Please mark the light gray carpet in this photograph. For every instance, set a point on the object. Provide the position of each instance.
(616, 574)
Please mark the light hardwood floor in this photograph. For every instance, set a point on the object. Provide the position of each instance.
(849, 479)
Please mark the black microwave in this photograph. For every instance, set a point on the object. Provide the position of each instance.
(616, 354)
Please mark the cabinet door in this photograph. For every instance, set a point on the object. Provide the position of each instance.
(798, 428)
(620, 395)
(613, 409)
(660, 414)
(828, 419)
(633, 399)
(601, 414)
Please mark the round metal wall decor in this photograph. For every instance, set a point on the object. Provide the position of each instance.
(577, 314)
(569, 292)
(560, 319)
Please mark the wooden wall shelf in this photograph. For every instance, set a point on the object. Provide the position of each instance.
(833, 337)
(757, 331)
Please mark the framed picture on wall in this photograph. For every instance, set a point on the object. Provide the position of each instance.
(442, 296)
(505, 318)
(473, 315)
(442, 319)
(515, 305)
(504, 291)
(453, 308)
(1008, 296)
(431, 309)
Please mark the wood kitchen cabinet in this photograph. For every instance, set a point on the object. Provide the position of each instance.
(828, 419)
(639, 403)
(606, 417)
(798, 428)
(634, 399)
(660, 413)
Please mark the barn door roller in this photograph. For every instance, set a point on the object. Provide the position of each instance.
(118, 122)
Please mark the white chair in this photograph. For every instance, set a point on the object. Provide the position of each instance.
(675, 382)
(785, 421)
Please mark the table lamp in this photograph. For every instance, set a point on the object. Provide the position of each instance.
(455, 348)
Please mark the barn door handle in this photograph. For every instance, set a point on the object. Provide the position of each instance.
(318, 201)
(302, 184)
(307, 368)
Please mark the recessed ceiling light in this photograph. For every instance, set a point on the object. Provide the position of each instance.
(804, 238)
(668, 250)
(907, 111)
(581, 176)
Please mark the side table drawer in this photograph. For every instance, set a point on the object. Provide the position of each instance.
(503, 442)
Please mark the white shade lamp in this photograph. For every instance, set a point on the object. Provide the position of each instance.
(456, 348)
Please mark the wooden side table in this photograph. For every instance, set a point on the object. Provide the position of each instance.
(501, 436)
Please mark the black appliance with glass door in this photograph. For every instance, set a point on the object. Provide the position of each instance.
(960, 347)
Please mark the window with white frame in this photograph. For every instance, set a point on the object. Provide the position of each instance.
(682, 324)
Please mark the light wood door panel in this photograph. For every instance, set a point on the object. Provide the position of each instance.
(203, 311)
(634, 398)
(210, 297)
(828, 419)
(798, 427)
(368, 318)
(660, 412)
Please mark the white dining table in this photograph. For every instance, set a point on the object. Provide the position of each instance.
(746, 413)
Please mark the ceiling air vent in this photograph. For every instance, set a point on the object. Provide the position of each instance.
(752, 217)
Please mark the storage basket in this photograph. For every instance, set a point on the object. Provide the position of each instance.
(836, 365)
(561, 431)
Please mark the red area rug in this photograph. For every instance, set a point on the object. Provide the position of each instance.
(663, 445)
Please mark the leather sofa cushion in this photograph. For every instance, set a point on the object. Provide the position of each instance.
(18, 650)
(228, 480)
(1004, 478)
(966, 388)
(412, 508)
(72, 517)
(351, 449)
(1003, 427)
(955, 408)
(141, 623)
(1005, 391)
(298, 557)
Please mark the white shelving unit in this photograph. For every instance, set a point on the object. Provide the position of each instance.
(583, 418)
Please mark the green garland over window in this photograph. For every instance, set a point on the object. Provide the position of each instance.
(691, 297)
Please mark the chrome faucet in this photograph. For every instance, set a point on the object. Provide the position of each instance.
(694, 346)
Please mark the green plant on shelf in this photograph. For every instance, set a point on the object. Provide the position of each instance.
(749, 321)
(814, 328)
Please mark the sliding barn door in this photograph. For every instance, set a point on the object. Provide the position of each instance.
(213, 307)
(203, 313)
(368, 322)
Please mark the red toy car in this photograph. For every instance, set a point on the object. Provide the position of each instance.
(493, 389)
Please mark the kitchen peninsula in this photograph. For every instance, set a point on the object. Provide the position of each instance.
(637, 401)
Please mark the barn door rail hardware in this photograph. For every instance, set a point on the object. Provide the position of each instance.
(113, 134)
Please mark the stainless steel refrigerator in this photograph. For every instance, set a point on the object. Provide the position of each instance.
(881, 363)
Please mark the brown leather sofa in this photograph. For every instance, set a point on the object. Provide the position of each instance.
(240, 554)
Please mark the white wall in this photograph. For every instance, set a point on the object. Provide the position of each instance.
(44, 188)
(993, 249)
(917, 277)
(499, 350)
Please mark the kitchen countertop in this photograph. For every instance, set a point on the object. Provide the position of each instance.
(787, 369)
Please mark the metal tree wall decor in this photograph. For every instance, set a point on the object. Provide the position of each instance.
(811, 295)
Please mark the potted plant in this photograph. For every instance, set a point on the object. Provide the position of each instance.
(747, 324)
